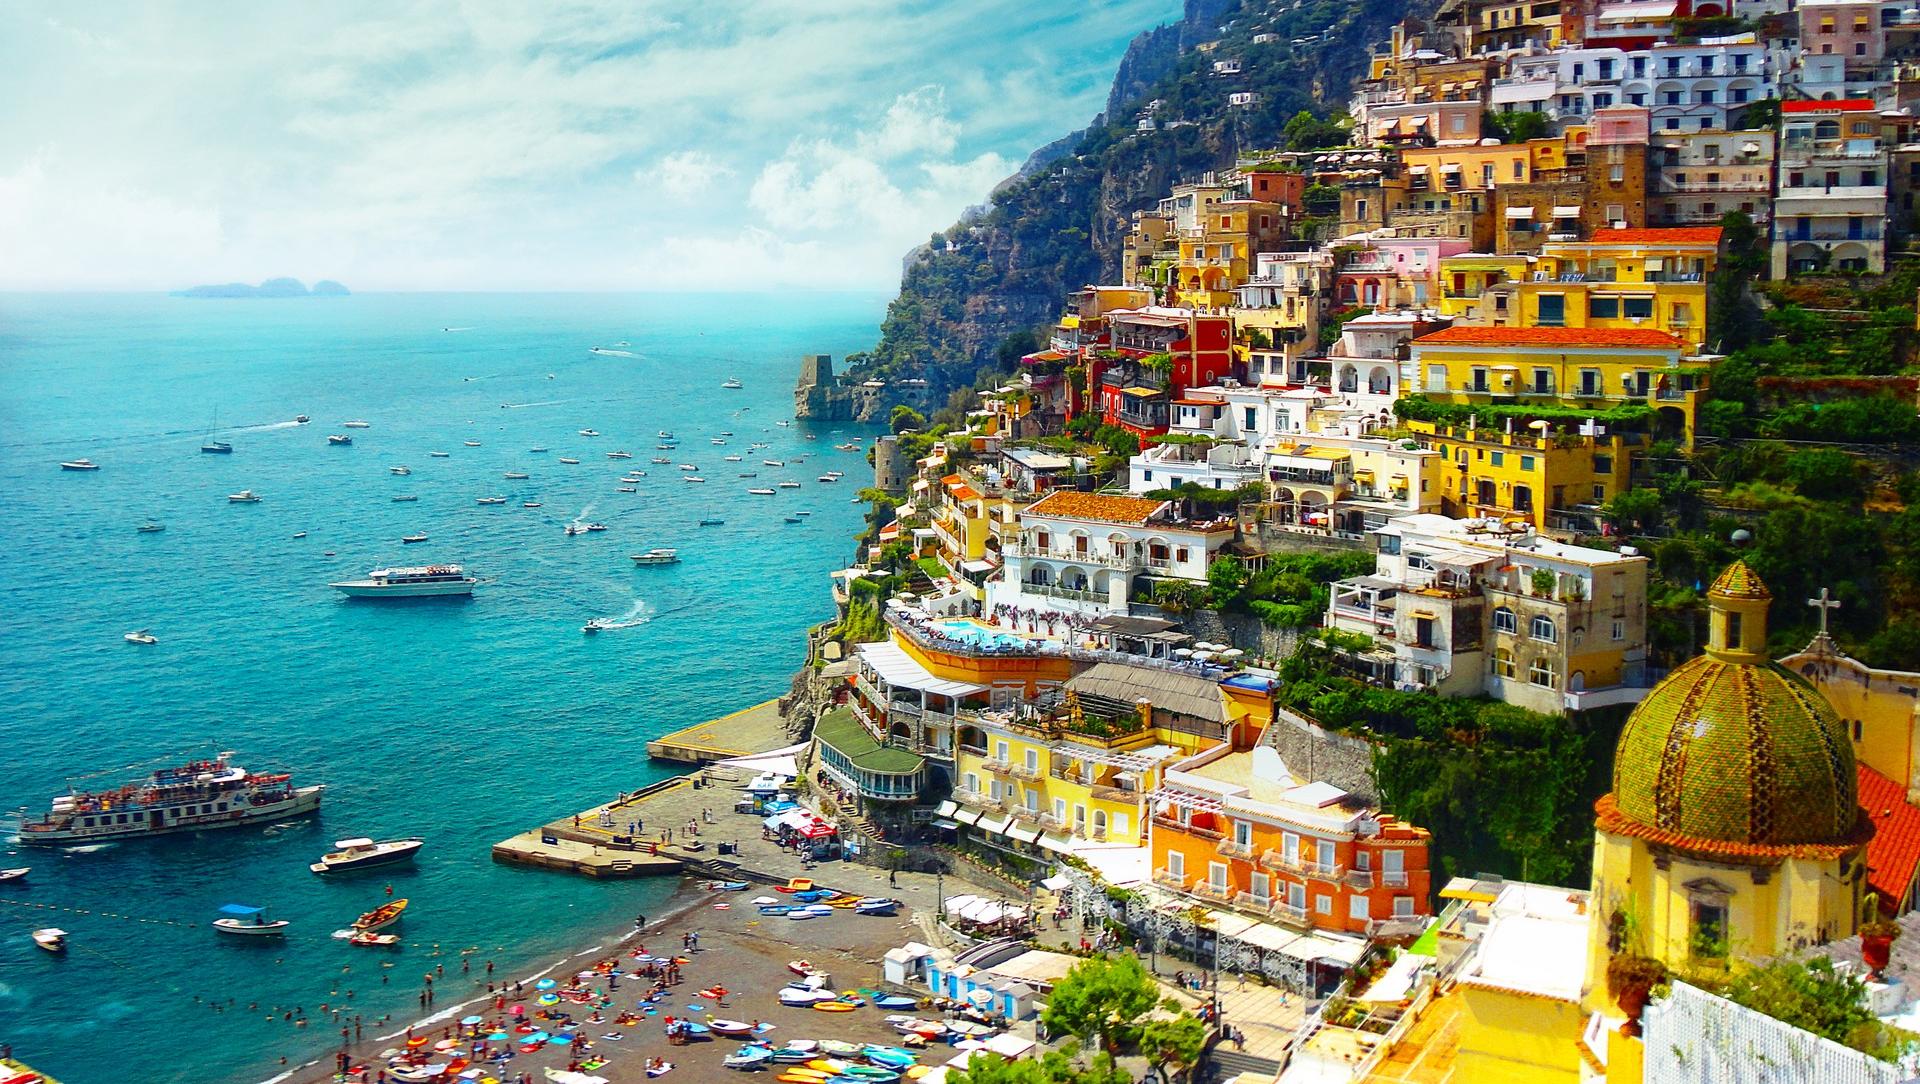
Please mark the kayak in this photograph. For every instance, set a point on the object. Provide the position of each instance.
(832, 1006)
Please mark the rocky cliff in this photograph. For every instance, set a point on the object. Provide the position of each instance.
(974, 302)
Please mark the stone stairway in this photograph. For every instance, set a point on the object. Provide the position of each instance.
(1224, 1063)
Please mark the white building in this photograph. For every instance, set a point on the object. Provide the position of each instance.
(1830, 204)
(1703, 175)
(1089, 552)
(1704, 85)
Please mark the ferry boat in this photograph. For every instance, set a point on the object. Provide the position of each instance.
(79, 464)
(409, 582)
(361, 853)
(339, 438)
(656, 557)
(201, 794)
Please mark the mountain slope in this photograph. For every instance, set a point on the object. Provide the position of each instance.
(1004, 270)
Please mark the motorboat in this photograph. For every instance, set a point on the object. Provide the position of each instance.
(589, 432)
(773, 463)
(516, 476)
(812, 910)
(827, 478)
(19, 874)
(883, 907)
(716, 441)
(217, 447)
(301, 419)
(380, 940)
(619, 455)
(626, 489)
(141, 636)
(789, 485)
(713, 522)
(748, 1058)
(151, 527)
(79, 464)
(381, 917)
(596, 526)
(399, 470)
(245, 496)
(731, 458)
(749, 474)
(242, 920)
(52, 939)
(438, 455)
(471, 443)
(574, 529)
(569, 462)
(730, 1028)
(489, 500)
(732, 383)
(339, 438)
(761, 492)
(529, 504)
(689, 466)
(656, 557)
(896, 1001)
(598, 624)
(691, 478)
(411, 538)
(409, 582)
(357, 425)
(662, 460)
(536, 451)
(664, 435)
(299, 534)
(804, 512)
(803, 996)
(796, 1052)
(362, 852)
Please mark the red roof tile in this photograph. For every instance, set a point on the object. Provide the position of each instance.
(1609, 819)
(1668, 235)
(1851, 105)
(1549, 336)
(1894, 854)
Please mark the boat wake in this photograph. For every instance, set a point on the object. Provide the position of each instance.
(640, 614)
(456, 329)
(611, 353)
(580, 518)
(89, 848)
(523, 406)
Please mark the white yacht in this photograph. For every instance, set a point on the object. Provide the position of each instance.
(619, 455)
(398, 470)
(656, 557)
(79, 464)
(589, 432)
(732, 383)
(409, 582)
(245, 496)
(339, 438)
(360, 853)
(141, 636)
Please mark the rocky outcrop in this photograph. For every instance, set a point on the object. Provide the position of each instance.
(820, 396)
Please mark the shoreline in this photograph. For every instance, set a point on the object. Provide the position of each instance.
(687, 898)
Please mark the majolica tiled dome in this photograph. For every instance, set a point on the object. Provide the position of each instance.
(1726, 751)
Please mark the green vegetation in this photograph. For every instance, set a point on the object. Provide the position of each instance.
(1052, 1067)
(1514, 127)
(1813, 997)
(904, 418)
(1306, 132)
(1627, 417)
(1104, 1001)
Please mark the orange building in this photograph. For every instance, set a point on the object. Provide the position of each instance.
(1238, 829)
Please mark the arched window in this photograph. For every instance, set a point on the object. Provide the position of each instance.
(1503, 620)
(1542, 629)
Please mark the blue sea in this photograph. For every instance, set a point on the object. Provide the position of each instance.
(460, 721)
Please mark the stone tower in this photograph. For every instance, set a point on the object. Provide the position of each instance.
(810, 392)
(889, 464)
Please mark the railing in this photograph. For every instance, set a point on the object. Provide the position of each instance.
(1252, 902)
(1115, 794)
(1089, 557)
(976, 750)
(1069, 593)
(1229, 848)
(1291, 912)
(973, 799)
(1394, 878)
(999, 767)
(1323, 871)
(1025, 814)
(1022, 771)
(1208, 890)
(1867, 232)
(1170, 879)
(903, 707)
(1360, 878)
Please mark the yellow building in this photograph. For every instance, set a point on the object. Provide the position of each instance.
(1468, 284)
(1580, 368)
(1217, 253)
(1881, 708)
(1553, 481)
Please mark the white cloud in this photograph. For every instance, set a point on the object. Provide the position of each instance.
(916, 122)
(682, 175)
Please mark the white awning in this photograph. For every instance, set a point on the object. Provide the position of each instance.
(1052, 842)
(1566, 212)
(896, 667)
(994, 824)
(1267, 936)
(1315, 947)
(966, 816)
(946, 809)
(1519, 212)
(1023, 833)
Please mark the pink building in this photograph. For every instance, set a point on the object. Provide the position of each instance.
(1395, 272)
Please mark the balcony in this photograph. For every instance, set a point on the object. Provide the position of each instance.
(1251, 902)
(1288, 912)
(1219, 893)
(1165, 821)
(999, 767)
(1089, 556)
(1115, 794)
(1170, 879)
(1024, 771)
(974, 799)
(1394, 878)
(1865, 232)
(1025, 814)
(1323, 871)
(1359, 878)
(904, 707)
(1072, 594)
(1232, 849)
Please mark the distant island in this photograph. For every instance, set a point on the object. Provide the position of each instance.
(269, 288)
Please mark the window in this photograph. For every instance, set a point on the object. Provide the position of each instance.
(1603, 308)
(1177, 865)
(1060, 810)
(1553, 310)
(1526, 461)
(1403, 907)
(1499, 459)
(1290, 848)
(1436, 378)
(1709, 938)
(1541, 673)
(1033, 760)
(1617, 173)
(1637, 307)
(1543, 381)
(973, 782)
(1260, 887)
(1542, 629)
(1322, 903)
(1503, 620)
(1357, 907)
(1589, 381)
(1619, 630)
(1243, 833)
(1119, 827)
(1000, 751)
(1599, 492)
(1217, 876)
(1479, 379)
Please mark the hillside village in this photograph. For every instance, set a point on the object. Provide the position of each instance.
(1462, 570)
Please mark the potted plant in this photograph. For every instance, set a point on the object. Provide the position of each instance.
(1631, 979)
(1876, 945)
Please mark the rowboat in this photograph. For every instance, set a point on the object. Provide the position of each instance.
(19, 874)
(797, 884)
(839, 1048)
(812, 895)
(883, 907)
(800, 967)
(726, 886)
(891, 1057)
(800, 997)
(835, 1005)
(896, 1001)
(775, 908)
(730, 1028)
(241, 920)
(748, 1057)
(382, 916)
(813, 910)
(52, 939)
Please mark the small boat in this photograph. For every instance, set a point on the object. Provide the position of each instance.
(375, 939)
(339, 438)
(19, 874)
(489, 500)
(141, 636)
(795, 519)
(399, 470)
(689, 466)
(403, 498)
(896, 1001)
(813, 895)
(731, 458)
(835, 1005)
(812, 910)
(658, 557)
(889, 1057)
(801, 997)
(789, 485)
(597, 624)
(381, 917)
(664, 435)
(731, 1028)
(795, 884)
(516, 476)
(438, 455)
(827, 478)
(796, 1052)
(926, 1029)
(245, 496)
(362, 853)
(151, 527)
(536, 451)
(529, 504)
(803, 513)
(748, 1058)
(761, 492)
(301, 419)
(625, 489)
(471, 443)
(716, 440)
(732, 383)
(79, 464)
(800, 967)
(712, 522)
(773, 463)
(357, 425)
(749, 474)
(883, 908)
(662, 460)
(217, 447)
(726, 886)
(691, 478)
(242, 920)
(619, 455)
(596, 527)
(967, 1029)
(775, 908)
(589, 432)
(410, 538)
(52, 939)
(299, 534)
(569, 462)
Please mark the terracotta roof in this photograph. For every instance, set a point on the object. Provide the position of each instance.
(1669, 235)
(1549, 336)
(1609, 819)
(1095, 506)
(1850, 105)
(1894, 854)
(1739, 580)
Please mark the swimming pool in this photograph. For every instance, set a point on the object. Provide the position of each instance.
(977, 635)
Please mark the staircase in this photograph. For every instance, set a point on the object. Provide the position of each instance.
(1224, 1063)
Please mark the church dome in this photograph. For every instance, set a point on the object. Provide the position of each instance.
(1731, 748)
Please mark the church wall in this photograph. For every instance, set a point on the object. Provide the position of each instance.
(1510, 1038)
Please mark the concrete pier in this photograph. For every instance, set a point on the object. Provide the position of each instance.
(742, 733)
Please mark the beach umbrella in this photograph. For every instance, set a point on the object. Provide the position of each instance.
(545, 984)
(416, 1042)
(561, 1039)
(445, 1044)
(1183, 652)
(470, 1020)
(518, 1010)
(549, 999)
(1233, 653)
(497, 1037)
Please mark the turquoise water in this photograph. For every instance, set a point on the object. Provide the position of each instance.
(973, 632)
(462, 721)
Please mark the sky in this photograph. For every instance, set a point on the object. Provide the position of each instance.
(502, 145)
